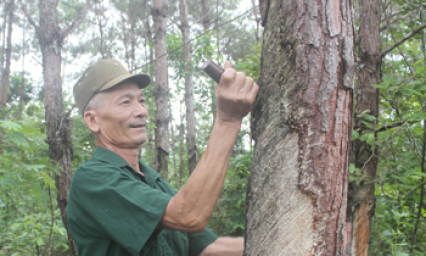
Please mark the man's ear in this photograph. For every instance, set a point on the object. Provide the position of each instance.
(91, 120)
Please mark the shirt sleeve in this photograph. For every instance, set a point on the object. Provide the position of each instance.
(199, 241)
(121, 207)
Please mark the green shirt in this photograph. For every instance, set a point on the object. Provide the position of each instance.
(114, 210)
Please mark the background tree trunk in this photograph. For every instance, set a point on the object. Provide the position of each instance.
(361, 198)
(205, 12)
(5, 74)
(189, 89)
(58, 123)
(150, 69)
(161, 90)
(296, 198)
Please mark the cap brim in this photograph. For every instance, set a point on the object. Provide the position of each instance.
(141, 80)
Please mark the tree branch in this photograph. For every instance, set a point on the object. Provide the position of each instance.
(402, 40)
(388, 23)
(394, 125)
(77, 21)
(30, 19)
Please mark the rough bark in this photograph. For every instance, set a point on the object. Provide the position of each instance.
(5, 74)
(58, 123)
(296, 198)
(361, 199)
(189, 88)
(161, 90)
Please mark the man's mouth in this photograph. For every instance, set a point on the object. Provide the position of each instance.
(137, 125)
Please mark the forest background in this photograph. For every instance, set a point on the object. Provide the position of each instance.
(130, 31)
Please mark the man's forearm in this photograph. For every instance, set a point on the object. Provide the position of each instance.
(192, 206)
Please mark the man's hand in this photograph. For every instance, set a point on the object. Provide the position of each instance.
(235, 95)
(229, 246)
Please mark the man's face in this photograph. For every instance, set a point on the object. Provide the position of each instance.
(122, 118)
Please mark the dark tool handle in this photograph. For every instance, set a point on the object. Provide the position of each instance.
(213, 70)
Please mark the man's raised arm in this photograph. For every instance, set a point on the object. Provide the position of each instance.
(190, 209)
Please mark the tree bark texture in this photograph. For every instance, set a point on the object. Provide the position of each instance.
(161, 90)
(296, 198)
(5, 74)
(189, 89)
(361, 198)
(58, 124)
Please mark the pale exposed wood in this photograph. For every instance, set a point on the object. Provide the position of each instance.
(296, 198)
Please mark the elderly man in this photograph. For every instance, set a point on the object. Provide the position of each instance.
(118, 205)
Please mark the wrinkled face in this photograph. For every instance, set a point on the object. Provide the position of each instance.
(121, 121)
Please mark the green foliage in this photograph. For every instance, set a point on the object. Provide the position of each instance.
(27, 192)
(229, 215)
(400, 134)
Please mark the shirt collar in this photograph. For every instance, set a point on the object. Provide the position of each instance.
(106, 155)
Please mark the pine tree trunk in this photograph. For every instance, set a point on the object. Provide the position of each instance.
(58, 124)
(296, 198)
(361, 198)
(189, 89)
(22, 89)
(150, 69)
(161, 90)
(5, 74)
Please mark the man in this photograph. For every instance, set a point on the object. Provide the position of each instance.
(117, 205)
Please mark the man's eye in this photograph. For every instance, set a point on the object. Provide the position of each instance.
(125, 102)
(142, 101)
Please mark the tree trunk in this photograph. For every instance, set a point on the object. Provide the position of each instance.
(296, 198)
(22, 89)
(205, 12)
(5, 74)
(189, 89)
(58, 124)
(161, 90)
(361, 198)
(51, 37)
(150, 70)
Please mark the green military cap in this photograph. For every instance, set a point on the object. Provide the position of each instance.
(101, 76)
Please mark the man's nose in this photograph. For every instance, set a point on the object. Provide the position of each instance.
(141, 110)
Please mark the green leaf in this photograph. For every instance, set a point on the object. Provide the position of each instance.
(34, 167)
(369, 138)
(353, 169)
(19, 140)
(417, 116)
(419, 70)
(386, 233)
(420, 88)
(369, 118)
(367, 124)
(40, 242)
(11, 126)
(380, 86)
